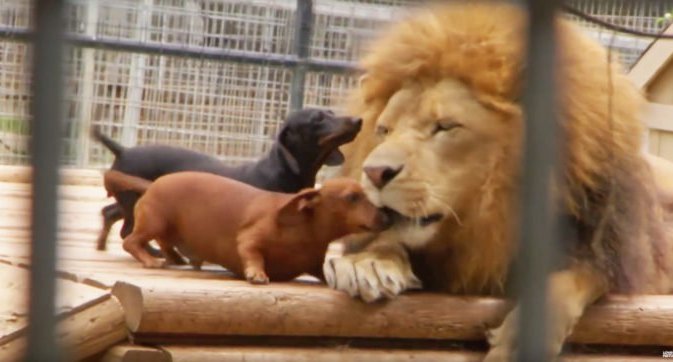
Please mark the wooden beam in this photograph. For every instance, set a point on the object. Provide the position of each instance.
(69, 176)
(133, 353)
(652, 61)
(173, 353)
(90, 319)
(83, 334)
(231, 308)
(659, 116)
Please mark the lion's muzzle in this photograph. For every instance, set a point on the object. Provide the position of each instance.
(381, 175)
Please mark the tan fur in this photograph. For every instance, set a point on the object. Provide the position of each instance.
(480, 46)
(460, 65)
(257, 234)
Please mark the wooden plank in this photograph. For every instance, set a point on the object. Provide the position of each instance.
(282, 354)
(659, 116)
(67, 192)
(72, 176)
(293, 309)
(14, 291)
(132, 353)
(86, 333)
(652, 60)
(345, 353)
(663, 171)
(91, 320)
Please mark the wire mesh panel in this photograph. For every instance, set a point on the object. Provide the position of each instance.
(14, 86)
(230, 110)
(645, 16)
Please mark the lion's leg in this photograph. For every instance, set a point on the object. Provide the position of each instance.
(382, 269)
(570, 292)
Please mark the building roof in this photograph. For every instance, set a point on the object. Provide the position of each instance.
(653, 60)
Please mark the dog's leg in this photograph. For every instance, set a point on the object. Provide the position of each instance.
(196, 263)
(570, 292)
(111, 214)
(146, 228)
(172, 257)
(168, 249)
(135, 244)
(253, 262)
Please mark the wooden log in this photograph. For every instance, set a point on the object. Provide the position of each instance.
(132, 353)
(234, 308)
(91, 320)
(72, 298)
(83, 334)
(282, 354)
(69, 176)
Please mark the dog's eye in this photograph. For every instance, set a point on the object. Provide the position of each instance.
(353, 198)
(382, 130)
(445, 125)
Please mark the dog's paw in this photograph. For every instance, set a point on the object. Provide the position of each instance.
(370, 277)
(256, 277)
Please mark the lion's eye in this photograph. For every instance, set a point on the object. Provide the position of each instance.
(443, 126)
(382, 130)
(353, 198)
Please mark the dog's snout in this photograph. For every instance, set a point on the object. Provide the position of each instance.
(381, 175)
(357, 122)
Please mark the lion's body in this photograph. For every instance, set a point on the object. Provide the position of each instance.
(609, 191)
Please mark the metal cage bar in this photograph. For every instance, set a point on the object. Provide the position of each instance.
(303, 30)
(47, 110)
(228, 55)
(539, 237)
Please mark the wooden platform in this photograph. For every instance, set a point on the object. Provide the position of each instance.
(114, 309)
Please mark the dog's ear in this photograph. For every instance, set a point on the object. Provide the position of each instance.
(285, 152)
(335, 158)
(298, 207)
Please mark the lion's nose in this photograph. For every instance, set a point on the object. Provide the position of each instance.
(381, 175)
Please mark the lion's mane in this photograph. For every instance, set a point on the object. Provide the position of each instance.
(608, 189)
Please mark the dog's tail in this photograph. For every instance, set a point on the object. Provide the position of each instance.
(116, 181)
(108, 142)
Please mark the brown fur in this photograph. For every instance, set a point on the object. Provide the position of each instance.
(481, 46)
(460, 64)
(254, 233)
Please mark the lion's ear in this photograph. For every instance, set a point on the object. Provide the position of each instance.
(362, 81)
(362, 87)
(499, 105)
(366, 88)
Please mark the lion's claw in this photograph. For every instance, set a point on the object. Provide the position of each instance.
(369, 277)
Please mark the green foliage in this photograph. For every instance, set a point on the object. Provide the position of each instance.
(666, 20)
(14, 125)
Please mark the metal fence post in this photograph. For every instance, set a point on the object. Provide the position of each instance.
(303, 29)
(45, 146)
(87, 86)
(539, 231)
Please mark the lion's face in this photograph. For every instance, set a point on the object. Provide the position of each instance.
(437, 142)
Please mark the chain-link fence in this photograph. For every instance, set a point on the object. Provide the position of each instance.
(228, 109)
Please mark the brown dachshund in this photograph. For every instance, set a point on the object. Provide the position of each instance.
(257, 234)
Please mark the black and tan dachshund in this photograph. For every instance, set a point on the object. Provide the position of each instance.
(308, 139)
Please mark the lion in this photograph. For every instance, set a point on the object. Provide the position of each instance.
(441, 148)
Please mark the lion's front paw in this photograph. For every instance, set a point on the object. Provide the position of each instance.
(368, 276)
